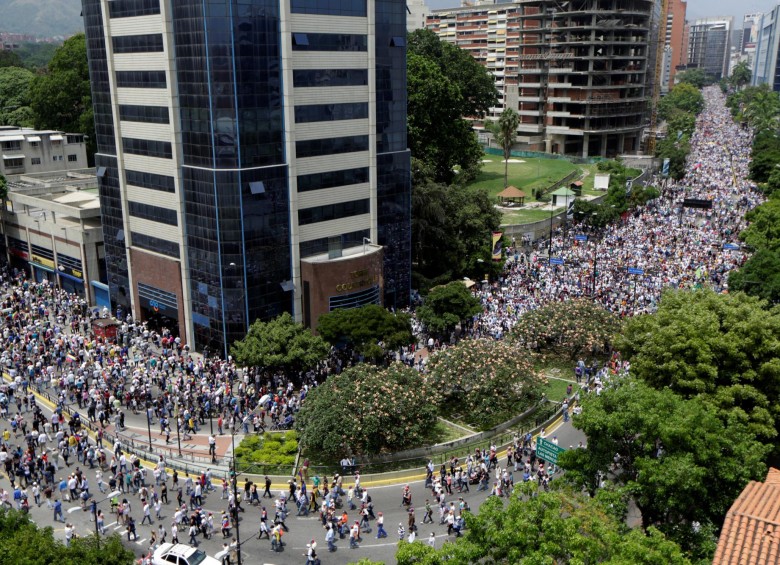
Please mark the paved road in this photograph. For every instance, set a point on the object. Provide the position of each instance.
(302, 529)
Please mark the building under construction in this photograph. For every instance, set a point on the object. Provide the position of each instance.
(579, 73)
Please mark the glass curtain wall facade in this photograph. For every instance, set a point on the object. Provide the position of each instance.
(210, 161)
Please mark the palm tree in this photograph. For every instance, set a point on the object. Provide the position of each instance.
(763, 110)
(505, 133)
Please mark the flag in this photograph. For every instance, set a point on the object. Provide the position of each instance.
(70, 358)
(665, 169)
(497, 244)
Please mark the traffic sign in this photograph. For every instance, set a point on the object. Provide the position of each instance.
(581, 237)
(731, 246)
(635, 271)
(548, 451)
(556, 261)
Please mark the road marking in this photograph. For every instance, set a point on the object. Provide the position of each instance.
(141, 541)
(111, 524)
(118, 527)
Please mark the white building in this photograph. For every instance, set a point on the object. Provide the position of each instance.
(27, 150)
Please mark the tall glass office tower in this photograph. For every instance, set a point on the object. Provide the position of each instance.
(252, 158)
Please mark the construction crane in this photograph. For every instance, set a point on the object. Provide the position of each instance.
(659, 55)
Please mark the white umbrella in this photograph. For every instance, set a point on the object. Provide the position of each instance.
(265, 398)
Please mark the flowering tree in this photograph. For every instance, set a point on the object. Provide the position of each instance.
(570, 328)
(367, 410)
(486, 381)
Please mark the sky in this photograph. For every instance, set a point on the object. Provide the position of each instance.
(696, 8)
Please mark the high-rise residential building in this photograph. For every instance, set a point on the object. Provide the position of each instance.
(674, 48)
(765, 59)
(577, 72)
(416, 12)
(709, 44)
(252, 158)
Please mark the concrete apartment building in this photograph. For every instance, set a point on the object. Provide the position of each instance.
(578, 72)
(767, 50)
(675, 48)
(252, 159)
(709, 45)
(28, 151)
(51, 230)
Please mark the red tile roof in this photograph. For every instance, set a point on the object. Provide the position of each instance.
(751, 531)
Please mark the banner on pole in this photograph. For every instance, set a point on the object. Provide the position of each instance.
(497, 243)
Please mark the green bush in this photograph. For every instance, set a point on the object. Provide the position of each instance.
(270, 450)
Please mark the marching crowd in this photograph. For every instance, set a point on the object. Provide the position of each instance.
(664, 244)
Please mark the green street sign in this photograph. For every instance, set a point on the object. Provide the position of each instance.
(548, 451)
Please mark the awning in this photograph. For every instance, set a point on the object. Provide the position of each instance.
(34, 139)
(41, 267)
(71, 277)
(55, 138)
(13, 156)
(11, 138)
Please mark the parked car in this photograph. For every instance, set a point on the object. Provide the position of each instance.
(181, 554)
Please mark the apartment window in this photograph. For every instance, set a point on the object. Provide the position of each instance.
(11, 145)
(133, 8)
(147, 147)
(73, 138)
(73, 158)
(141, 79)
(151, 181)
(153, 213)
(148, 43)
(14, 163)
(147, 114)
(331, 179)
(333, 146)
(56, 158)
(333, 211)
(35, 160)
(330, 77)
(329, 42)
(331, 112)
(34, 143)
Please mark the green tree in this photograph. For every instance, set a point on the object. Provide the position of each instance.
(445, 85)
(367, 410)
(720, 348)
(669, 452)
(549, 527)
(370, 330)
(568, 329)
(763, 232)
(3, 187)
(695, 77)
(280, 345)
(505, 133)
(762, 109)
(485, 380)
(15, 96)
(759, 276)
(676, 150)
(740, 75)
(9, 58)
(447, 306)
(23, 543)
(683, 97)
(61, 98)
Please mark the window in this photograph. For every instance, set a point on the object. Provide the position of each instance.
(147, 147)
(398, 41)
(155, 244)
(150, 180)
(35, 160)
(149, 43)
(11, 145)
(330, 77)
(132, 8)
(330, 179)
(334, 146)
(34, 143)
(153, 213)
(333, 211)
(56, 158)
(14, 163)
(72, 138)
(73, 158)
(141, 79)
(331, 112)
(329, 7)
(323, 244)
(148, 114)
(330, 42)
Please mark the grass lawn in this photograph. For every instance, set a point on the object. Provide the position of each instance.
(444, 432)
(525, 176)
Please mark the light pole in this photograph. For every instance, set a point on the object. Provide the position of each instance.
(94, 505)
(549, 247)
(234, 479)
(178, 429)
(149, 425)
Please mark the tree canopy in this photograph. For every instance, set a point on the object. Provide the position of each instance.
(740, 75)
(505, 133)
(370, 330)
(765, 155)
(367, 410)
(721, 348)
(763, 232)
(568, 329)
(669, 451)
(15, 107)
(683, 97)
(445, 85)
(695, 77)
(484, 380)
(23, 543)
(280, 345)
(61, 98)
(759, 276)
(549, 527)
(447, 306)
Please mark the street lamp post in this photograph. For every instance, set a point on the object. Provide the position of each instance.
(149, 425)
(95, 512)
(549, 248)
(178, 429)
(235, 491)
